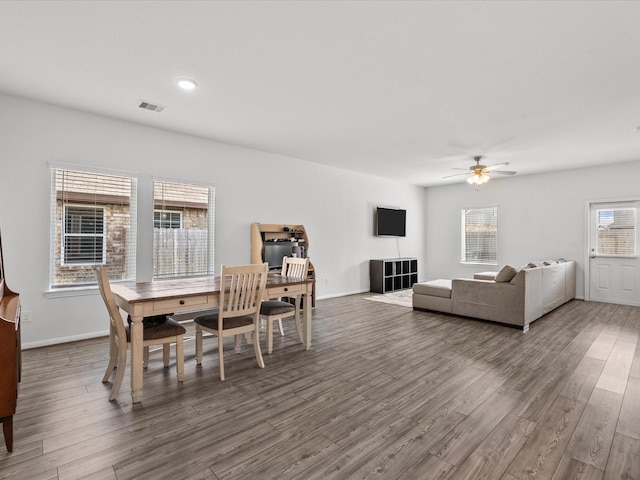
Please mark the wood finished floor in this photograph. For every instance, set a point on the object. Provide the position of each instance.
(384, 393)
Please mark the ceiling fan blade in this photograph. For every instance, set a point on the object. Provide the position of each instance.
(456, 175)
(503, 172)
(489, 169)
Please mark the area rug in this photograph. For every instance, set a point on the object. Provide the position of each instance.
(400, 297)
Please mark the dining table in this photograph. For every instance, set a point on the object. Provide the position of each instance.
(179, 295)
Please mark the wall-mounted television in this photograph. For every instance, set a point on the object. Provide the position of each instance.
(391, 222)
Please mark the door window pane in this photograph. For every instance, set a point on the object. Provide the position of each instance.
(616, 231)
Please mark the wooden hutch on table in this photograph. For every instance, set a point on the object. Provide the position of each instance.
(272, 241)
(9, 355)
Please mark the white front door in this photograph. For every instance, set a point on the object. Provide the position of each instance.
(614, 268)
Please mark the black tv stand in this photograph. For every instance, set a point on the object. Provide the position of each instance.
(391, 274)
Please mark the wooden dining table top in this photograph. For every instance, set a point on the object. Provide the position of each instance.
(175, 288)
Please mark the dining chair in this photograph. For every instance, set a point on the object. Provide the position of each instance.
(272, 310)
(157, 330)
(238, 313)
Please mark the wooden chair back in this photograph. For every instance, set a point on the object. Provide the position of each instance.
(117, 324)
(243, 289)
(295, 267)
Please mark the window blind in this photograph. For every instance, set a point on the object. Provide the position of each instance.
(183, 233)
(480, 235)
(616, 231)
(93, 222)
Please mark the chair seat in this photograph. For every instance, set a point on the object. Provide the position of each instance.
(168, 328)
(276, 307)
(211, 321)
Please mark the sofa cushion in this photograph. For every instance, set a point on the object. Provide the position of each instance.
(435, 288)
(534, 264)
(506, 274)
(485, 276)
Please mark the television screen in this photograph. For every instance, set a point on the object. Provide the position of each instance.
(391, 222)
(273, 253)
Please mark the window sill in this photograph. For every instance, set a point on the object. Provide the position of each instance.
(479, 263)
(71, 292)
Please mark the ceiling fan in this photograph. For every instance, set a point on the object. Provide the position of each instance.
(478, 173)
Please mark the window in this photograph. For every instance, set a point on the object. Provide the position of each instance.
(183, 233)
(479, 235)
(167, 219)
(84, 235)
(616, 232)
(93, 222)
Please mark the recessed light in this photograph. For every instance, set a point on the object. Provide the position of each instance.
(187, 83)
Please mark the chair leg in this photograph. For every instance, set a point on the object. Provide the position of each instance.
(113, 355)
(122, 363)
(221, 356)
(179, 357)
(166, 354)
(145, 358)
(280, 327)
(238, 342)
(269, 336)
(256, 348)
(198, 345)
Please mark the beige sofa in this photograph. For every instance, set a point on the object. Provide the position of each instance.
(531, 293)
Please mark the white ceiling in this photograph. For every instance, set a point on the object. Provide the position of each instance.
(402, 90)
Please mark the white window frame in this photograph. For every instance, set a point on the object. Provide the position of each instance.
(490, 247)
(85, 186)
(65, 235)
(182, 270)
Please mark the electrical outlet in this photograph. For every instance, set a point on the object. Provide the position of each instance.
(25, 316)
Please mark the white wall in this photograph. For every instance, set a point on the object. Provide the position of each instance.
(540, 217)
(335, 206)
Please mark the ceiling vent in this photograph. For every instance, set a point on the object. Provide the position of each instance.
(151, 106)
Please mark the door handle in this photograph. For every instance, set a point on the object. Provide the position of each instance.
(592, 256)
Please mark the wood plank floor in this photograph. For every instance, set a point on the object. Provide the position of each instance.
(384, 393)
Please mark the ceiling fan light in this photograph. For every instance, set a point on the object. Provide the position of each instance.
(478, 179)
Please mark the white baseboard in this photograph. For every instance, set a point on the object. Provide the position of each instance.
(59, 340)
(342, 294)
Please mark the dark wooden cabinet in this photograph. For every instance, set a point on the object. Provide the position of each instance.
(9, 355)
(391, 274)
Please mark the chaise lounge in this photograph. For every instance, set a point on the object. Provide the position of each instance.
(512, 297)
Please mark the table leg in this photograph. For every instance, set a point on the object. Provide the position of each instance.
(136, 358)
(307, 318)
